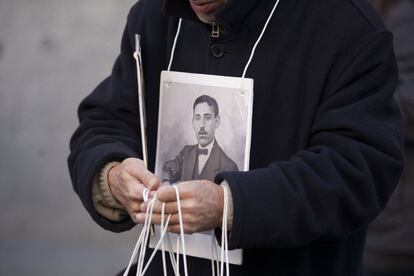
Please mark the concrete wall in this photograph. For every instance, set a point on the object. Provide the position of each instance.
(52, 54)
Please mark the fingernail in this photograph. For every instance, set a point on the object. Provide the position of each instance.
(139, 218)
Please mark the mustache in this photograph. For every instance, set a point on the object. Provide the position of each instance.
(202, 132)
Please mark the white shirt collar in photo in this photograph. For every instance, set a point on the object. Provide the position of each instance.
(202, 158)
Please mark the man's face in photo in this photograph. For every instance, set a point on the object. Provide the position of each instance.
(205, 123)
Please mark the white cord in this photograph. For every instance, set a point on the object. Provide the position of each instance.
(175, 44)
(215, 262)
(164, 263)
(141, 99)
(180, 216)
(253, 49)
(142, 242)
(147, 227)
(225, 243)
(172, 258)
(145, 194)
(139, 243)
(224, 239)
(260, 37)
(213, 256)
(160, 242)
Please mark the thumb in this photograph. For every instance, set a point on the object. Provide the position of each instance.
(147, 178)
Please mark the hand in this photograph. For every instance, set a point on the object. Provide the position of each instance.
(127, 182)
(201, 206)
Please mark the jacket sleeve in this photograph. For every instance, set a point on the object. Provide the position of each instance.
(345, 176)
(108, 131)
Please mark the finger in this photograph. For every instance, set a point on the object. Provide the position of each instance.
(138, 170)
(167, 193)
(133, 206)
(156, 218)
(135, 190)
(133, 216)
(170, 207)
(174, 229)
(188, 188)
(177, 229)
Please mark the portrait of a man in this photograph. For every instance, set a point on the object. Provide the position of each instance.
(205, 159)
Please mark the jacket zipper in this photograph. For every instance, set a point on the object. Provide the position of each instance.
(215, 30)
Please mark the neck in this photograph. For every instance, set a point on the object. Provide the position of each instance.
(209, 145)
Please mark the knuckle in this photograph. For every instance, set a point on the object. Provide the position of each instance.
(132, 215)
(152, 179)
(174, 229)
(189, 206)
(129, 193)
(123, 175)
(187, 218)
(140, 162)
(157, 219)
(128, 161)
(189, 229)
(135, 206)
(136, 162)
(132, 203)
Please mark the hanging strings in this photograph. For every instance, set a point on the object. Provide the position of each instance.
(174, 44)
(260, 38)
(142, 242)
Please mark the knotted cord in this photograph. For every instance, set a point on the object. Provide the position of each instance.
(142, 242)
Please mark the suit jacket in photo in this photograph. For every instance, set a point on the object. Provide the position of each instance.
(184, 166)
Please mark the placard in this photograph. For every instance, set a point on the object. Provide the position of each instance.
(204, 127)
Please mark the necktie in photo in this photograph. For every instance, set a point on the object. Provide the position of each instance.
(202, 151)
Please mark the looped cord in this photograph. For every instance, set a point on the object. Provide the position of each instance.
(253, 49)
(224, 238)
(175, 44)
(180, 216)
(142, 242)
(260, 38)
(145, 194)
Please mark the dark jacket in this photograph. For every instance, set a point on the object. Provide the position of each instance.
(326, 136)
(390, 242)
(185, 165)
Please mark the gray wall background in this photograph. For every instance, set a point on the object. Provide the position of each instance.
(52, 54)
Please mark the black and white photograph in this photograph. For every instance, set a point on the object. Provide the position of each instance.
(204, 128)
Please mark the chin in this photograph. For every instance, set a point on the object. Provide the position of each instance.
(209, 19)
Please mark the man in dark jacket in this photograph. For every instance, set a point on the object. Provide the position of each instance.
(326, 138)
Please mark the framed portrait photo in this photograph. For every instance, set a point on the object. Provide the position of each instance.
(204, 128)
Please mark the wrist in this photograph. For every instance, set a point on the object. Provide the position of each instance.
(106, 186)
(111, 177)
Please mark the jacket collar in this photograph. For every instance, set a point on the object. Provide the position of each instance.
(230, 16)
